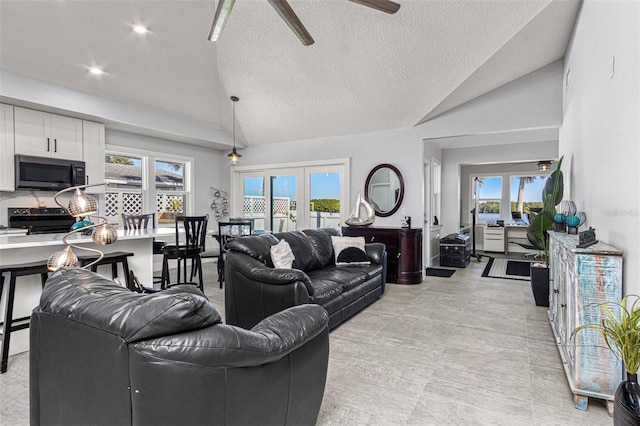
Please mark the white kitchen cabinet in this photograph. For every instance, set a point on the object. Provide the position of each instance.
(94, 143)
(493, 239)
(7, 166)
(42, 134)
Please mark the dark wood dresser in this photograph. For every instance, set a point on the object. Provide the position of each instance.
(404, 250)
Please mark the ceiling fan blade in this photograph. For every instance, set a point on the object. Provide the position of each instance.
(289, 16)
(220, 19)
(386, 6)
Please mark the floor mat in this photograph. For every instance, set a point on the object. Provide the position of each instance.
(440, 272)
(508, 269)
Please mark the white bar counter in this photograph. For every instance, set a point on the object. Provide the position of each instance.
(16, 249)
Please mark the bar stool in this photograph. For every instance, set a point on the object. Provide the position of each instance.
(112, 259)
(8, 326)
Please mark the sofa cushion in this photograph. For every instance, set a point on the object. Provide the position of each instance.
(324, 290)
(350, 251)
(321, 241)
(282, 256)
(303, 250)
(92, 299)
(346, 277)
(256, 246)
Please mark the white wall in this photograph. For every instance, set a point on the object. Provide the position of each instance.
(31, 93)
(400, 147)
(600, 134)
(530, 102)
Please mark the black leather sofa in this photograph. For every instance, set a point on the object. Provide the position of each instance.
(101, 354)
(254, 289)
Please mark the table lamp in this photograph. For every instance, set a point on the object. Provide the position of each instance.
(82, 205)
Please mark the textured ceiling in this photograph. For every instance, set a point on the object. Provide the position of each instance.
(367, 70)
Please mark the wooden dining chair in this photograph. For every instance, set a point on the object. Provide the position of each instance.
(187, 247)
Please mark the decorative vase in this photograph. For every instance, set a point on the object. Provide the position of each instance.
(540, 284)
(626, 407)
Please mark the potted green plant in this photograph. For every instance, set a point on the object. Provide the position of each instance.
(620, 329)
(538, 237)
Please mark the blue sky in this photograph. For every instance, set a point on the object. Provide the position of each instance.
(491, 188)
(323, 185)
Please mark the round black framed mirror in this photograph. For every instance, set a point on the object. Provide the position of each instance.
(384, 189)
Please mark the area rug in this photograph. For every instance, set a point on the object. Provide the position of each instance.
(508, 269)
(440, 272)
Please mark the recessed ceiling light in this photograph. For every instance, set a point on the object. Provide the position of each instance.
(140, 29)
(95, 71)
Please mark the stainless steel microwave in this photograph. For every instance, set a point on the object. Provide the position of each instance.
(48, 173)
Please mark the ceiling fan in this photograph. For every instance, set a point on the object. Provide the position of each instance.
(289, 16)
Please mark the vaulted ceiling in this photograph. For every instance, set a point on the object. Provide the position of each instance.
(367, 70)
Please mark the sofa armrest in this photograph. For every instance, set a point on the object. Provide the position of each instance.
(376, 252)
(229, 346)
(257, 271)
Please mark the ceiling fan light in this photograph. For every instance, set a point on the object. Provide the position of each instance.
(544, 166)
(220, 19)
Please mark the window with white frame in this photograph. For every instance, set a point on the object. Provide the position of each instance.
(129, 175)
(125, 177)
(488, 191)
(170, 186)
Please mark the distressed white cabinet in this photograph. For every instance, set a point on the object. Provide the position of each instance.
(580, 279)
(42, 134)
(93, 137)
(7, 166)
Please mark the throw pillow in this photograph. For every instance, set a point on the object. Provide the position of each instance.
(349, 251)
(282, 256)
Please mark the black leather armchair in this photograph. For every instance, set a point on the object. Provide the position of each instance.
(101, 354)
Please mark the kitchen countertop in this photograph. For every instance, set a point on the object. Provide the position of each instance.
(37, 240)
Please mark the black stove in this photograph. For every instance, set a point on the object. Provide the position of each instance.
(48, 220)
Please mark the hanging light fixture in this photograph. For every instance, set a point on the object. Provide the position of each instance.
(233, 155)
(544, 166)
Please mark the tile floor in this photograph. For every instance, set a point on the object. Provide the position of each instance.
(464, 350)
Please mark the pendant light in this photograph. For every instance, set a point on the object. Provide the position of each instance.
(544, 166)
(233, 155)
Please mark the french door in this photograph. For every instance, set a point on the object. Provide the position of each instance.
(281, 198)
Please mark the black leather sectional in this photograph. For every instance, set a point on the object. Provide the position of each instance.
(254, 289)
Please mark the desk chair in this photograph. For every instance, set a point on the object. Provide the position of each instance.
(141, 221)
(190, 247)
(234, 228)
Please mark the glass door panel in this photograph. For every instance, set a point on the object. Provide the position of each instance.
(284, 214)
(324, 202)
(254, 204)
